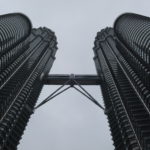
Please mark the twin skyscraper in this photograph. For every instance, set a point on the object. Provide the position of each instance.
(122, 59)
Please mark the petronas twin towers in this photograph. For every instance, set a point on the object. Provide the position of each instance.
(122, 59)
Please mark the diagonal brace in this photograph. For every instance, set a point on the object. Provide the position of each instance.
(71, 82)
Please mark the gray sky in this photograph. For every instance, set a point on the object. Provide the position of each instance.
(70, 121)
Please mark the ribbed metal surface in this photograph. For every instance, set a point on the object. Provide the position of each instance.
(125, 71)
(25, 59)
(14, 28)
(133, 33)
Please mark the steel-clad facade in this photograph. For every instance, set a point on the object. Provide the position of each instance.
(26, 56)
(122, 60)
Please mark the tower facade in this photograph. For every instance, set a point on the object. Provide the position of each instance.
(122, 58)
(26, 56)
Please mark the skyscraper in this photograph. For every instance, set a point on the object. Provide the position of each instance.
(122, 60)
(26, 56)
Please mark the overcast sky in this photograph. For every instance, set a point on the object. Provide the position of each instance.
(70, 121)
